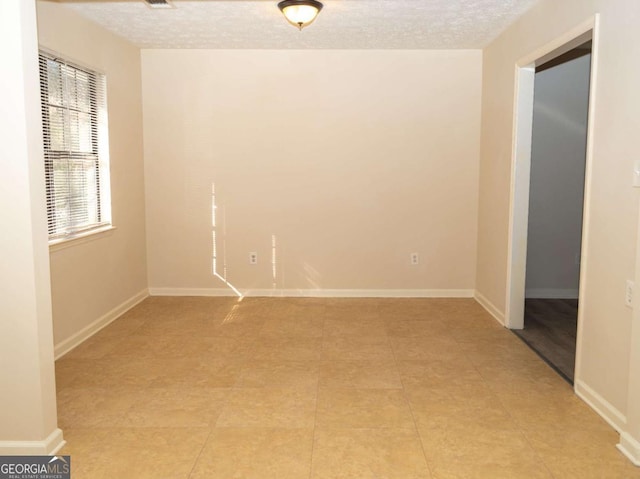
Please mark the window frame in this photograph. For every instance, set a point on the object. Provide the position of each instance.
(99, 155)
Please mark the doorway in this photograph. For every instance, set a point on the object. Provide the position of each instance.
(556, 198)
(579, 44)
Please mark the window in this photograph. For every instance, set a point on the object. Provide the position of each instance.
(75, 147)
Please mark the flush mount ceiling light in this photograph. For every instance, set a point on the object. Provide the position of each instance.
(300, 13)
(159, 3)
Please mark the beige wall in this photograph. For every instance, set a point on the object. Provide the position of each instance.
(614, 203)
(91, 279)
(352, 159)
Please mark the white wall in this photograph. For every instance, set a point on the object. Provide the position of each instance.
(558, 153)
(352, 159)
(28, 422)
(94, 281)
(603, 374)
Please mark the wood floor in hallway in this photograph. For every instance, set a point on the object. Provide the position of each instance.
(550, 329)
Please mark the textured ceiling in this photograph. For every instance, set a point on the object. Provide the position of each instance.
(342, 24)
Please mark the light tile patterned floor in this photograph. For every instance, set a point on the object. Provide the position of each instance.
(322, 388)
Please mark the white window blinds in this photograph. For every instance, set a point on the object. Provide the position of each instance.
(75, 138)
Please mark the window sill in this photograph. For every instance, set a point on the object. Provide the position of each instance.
(80, 238)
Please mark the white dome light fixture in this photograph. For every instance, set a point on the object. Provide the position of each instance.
(300, 13)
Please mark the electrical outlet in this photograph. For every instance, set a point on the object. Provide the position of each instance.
(415, 259)
(628, 294)
(253, 258)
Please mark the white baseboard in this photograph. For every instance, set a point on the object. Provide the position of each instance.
(318, 293)
(191, 292)
(68, 344)
(551, 293)
(630, 448)
(362, 293)
(490, 307)
(604, 408)
(47, 447)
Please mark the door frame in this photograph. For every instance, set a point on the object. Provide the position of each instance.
(521, 169)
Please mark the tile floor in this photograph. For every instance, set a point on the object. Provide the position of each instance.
(322, 388)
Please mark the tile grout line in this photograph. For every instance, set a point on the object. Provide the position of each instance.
(195, 462)
(513, 419)
(406, 398)
(315, 417)
(214, 425)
